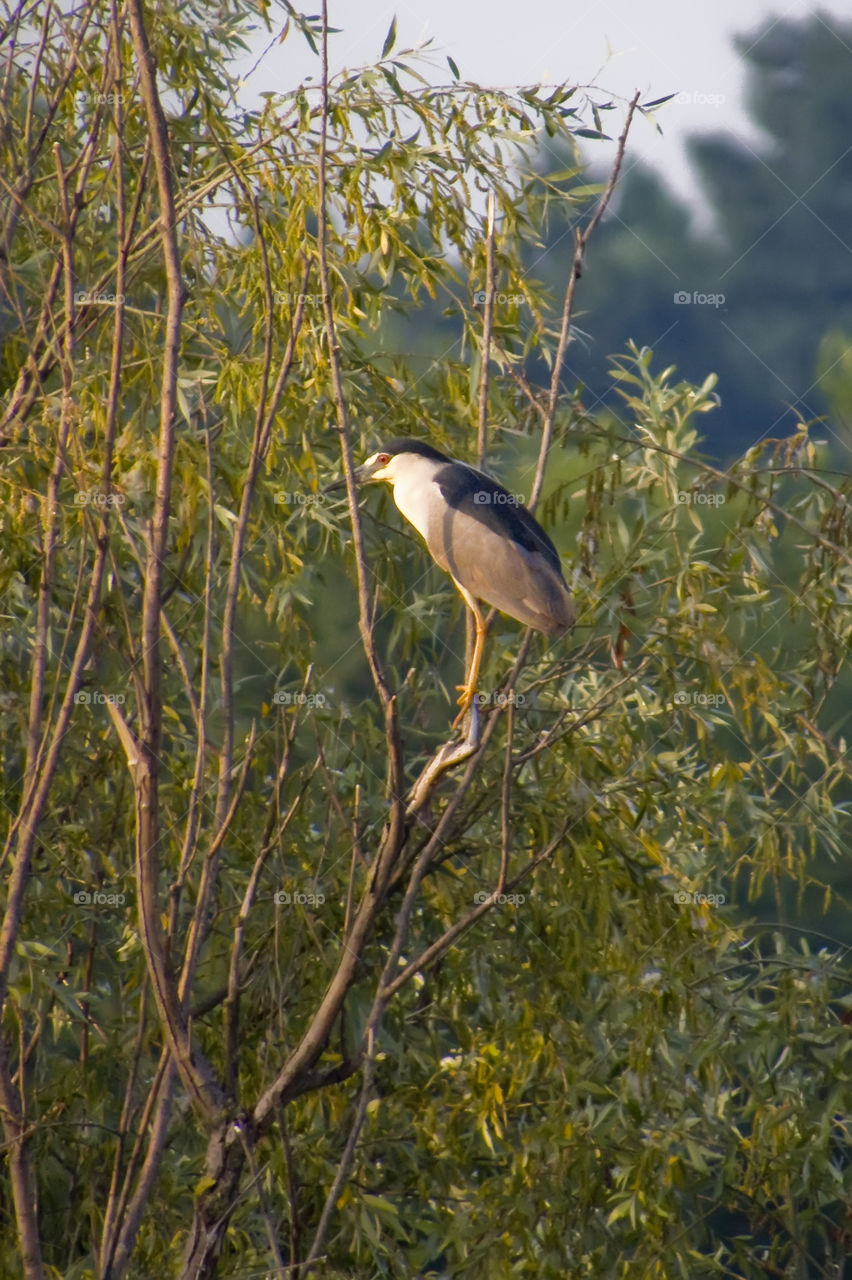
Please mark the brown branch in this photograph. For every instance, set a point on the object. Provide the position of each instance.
(112, 1205)
(434, 952)
(231, 1010)
(195, 1072)
(292, 1187)
(487, 324)
(189, 844)
(265, 1211)
(582, 240)
(386, 989)
(51, 503)
(365, 622)
(197, 926)
(315, 1037)
(346, 1160)
(505, 800)
(264, 419)
(131, 1208)
(20, 1174)
(485, 359)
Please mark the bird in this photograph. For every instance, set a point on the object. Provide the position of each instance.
(492, 547)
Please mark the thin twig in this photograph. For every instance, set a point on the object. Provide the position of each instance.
(505, 799)
(265, 1211)
(433, 952)
(195, 1071)
(365, 621)
(487, 324)
(582, 240)
(346, 1160)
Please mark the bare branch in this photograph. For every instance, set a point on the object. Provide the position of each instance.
(582, 240)
(446, 940)
(487, 322)
(348, 1156)
(195, 1073)
(362, 567)
(232, 998)
(23, 1185)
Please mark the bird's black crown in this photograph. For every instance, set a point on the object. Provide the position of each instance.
(402, 444)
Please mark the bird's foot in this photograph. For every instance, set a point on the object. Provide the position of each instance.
(466, 700)
(468, 720)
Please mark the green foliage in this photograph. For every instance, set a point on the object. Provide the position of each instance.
(834, 373)
(611, 1071)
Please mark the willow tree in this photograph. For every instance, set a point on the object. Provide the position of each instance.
(296, 980)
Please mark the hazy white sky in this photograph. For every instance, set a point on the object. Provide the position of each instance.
(658, 46)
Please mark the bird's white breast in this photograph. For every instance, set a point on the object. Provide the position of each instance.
(416, 494)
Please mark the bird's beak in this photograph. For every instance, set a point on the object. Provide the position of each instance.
(359, 475)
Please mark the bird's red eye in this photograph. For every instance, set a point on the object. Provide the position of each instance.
(384, 459)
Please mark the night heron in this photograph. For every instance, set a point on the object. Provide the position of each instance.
(482, 535)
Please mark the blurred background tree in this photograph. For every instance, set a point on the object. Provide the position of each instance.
(772, 238)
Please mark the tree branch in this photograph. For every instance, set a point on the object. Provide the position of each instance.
(582, 240)
(195, 1073)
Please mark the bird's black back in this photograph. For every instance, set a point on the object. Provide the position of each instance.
(487, 501)
(460, 484)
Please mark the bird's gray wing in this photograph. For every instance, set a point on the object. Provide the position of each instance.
(486, 501)
(492, 566)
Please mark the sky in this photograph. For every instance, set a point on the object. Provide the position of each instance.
(659, 47)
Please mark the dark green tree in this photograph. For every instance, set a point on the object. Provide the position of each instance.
(784, 210)
(762, 267)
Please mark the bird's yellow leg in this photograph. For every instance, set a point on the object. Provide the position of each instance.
(468, 689)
